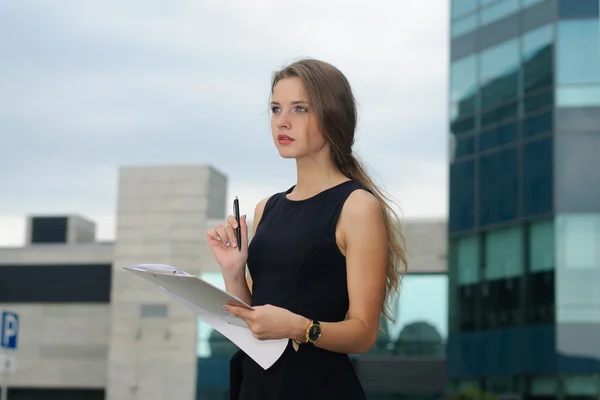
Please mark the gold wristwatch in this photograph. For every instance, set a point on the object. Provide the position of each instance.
(313, 332)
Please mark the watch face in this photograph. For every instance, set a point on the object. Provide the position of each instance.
(314, 332)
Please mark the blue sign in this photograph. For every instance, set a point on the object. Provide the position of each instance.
(10, 330)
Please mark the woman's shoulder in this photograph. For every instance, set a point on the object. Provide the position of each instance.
(264, 205)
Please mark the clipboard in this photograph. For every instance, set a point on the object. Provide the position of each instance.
(207, 301)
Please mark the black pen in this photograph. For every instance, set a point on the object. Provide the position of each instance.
(236, 213)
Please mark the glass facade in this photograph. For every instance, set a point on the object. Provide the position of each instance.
(524, 219)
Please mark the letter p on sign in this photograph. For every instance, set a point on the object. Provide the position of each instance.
(10, 330)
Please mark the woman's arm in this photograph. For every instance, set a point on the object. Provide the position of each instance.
(239, 283)
(365, 246)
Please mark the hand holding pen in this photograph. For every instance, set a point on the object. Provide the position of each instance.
(229, 241)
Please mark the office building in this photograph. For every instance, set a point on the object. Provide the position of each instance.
(89, 330)
(524, 218)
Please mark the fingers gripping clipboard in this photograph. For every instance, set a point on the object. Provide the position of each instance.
(207, 301)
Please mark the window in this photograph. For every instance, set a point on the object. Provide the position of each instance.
(460, 7)
(463, 147)
(540, 281)
(504, 269)
(499, 73)
(537, 185)
(527, 3)
(578, 96)
(498, 11)
(541, 246)
(504, 253)
(570, 9)
(538, 58)
(463, 86)
(541, 297)
(498, 136)
(462, 196)
(464, 25)
(582, 387)
(537, 124)
(578, 267)
(421, 328)
(539, 101)
(155, 310)
(49, 230)
(578, 240)
(577, 188)
(499, 114)
(578, 46)
(464, 125)
(498, 187)
(467, 249)
(71, 283)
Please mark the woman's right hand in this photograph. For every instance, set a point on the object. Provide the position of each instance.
(223, 244)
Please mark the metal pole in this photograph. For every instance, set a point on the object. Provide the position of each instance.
(4, 392)
(4, 386)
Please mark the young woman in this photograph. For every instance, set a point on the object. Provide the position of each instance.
(325, 255)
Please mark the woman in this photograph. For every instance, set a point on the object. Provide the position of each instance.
(325, 255)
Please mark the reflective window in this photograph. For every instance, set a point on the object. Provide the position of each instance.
(538, 101)
(462, 196)
(460, 7)
(537, 124)
(498, 11)
(504, 253)
(578, 267)
(463, 86)
(467, 250)
(582, 386)
(541, 303)
(464, 25)
(578, 9)
(463, 147)
(538, 58)
(421, 327)
(541, 246)
(578, 96)
(527, 3)
(498, 187)
(577, 188)
(499, 73)
(499, 136)
(499, 114)
(537, 15)
(537, 177)
(578, 45)
(462, 126)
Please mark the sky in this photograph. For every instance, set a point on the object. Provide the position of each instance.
(89, 86)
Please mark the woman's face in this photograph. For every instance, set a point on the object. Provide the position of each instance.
(294, 124)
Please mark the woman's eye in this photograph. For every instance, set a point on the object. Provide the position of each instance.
(275, 109)
(301, 109)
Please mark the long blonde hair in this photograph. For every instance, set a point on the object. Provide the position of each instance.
(331, 97)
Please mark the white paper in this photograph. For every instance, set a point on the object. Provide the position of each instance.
(207, 302)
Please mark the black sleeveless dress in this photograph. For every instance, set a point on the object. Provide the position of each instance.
(295, 263)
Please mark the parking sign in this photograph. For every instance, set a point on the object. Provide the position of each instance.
(10, 330)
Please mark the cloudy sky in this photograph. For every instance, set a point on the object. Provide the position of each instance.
(88, 86)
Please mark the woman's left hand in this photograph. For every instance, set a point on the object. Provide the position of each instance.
(271, 322)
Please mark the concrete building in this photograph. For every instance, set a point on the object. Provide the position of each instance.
(89, 330)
